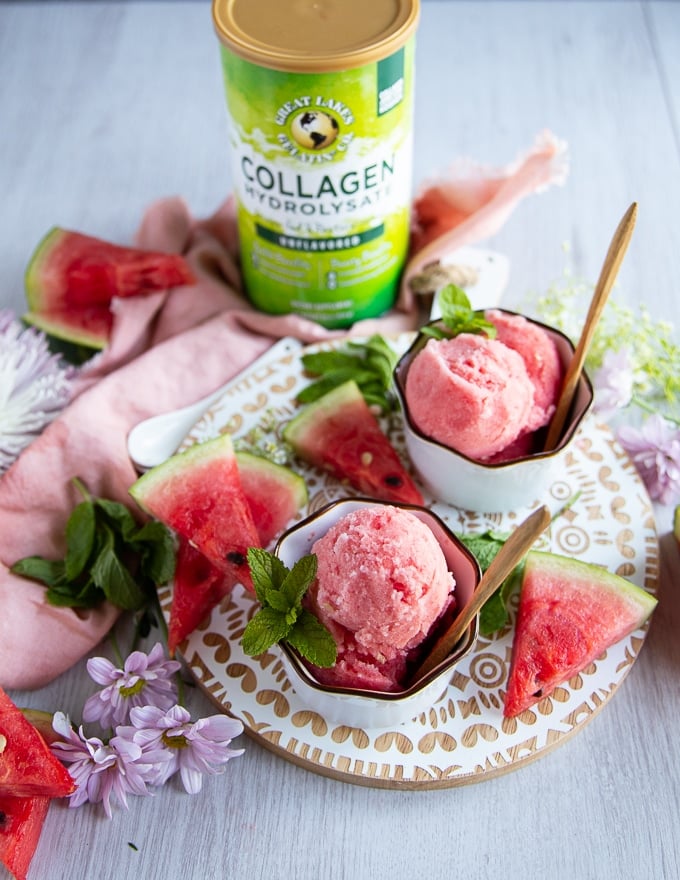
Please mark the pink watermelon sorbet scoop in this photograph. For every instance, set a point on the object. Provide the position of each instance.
(382, 582)
(482, 396)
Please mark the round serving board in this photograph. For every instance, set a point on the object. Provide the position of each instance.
(464, 737)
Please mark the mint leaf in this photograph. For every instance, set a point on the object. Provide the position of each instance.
(299, 579)
(369, 364)
(484, 547)
(156, 546)
(267, 572)
(263, 630)
(280, 591)
(333, 379)
(47, 571)
(311, 639)
(113, 578)
(458, 316)
(108, 556)
(80, 532)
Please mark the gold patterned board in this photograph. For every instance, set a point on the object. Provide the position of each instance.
(464, 737)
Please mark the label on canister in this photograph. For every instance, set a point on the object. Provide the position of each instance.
(320, 105)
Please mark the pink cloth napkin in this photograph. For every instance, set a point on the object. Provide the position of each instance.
(171, 348)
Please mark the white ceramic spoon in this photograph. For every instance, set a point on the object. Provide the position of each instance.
(155, 439)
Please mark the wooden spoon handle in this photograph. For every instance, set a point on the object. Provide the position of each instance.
(610, 268)
(512, 552)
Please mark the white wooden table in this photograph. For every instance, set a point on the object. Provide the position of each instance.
(107, 106)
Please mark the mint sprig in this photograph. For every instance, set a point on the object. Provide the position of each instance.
(484, 547)
(458, 316)
(280, 591)
(370, 364)
(494, 614)
(108, 556)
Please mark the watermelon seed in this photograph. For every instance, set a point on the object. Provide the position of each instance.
(3, 819)
(236, 558)
(3, 743)
(394, 480)
(538, 693)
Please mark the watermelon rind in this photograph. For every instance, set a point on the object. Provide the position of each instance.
(570, 612)
(72, 278)
(274, 492)
(61, 325)
(36, 267)
(198, 494)
(676, 524)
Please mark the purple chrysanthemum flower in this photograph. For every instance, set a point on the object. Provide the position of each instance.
(145, 680)
(655, 451)
(194, 748)
(101, 771)
(613, 383)
(34, 388)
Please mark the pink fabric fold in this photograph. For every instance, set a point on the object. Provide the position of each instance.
(171, 348)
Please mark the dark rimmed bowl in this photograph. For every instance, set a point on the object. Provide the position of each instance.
(369, 709)
(496, 487)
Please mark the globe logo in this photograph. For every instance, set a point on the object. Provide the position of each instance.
(314, 129)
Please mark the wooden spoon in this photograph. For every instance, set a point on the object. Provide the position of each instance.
(605, 282)
(512, 551)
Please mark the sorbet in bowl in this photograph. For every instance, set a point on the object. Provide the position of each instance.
(476, 411)
(388, 577)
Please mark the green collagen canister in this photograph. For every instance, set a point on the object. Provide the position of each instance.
(320, 117)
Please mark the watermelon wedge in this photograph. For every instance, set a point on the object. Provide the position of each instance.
(198, 494)
(274, 495)
(21, 822)
(71, 279)
(339, 434)
(569, 613)
(27, 766)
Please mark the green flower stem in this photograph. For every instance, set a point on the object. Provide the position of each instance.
(647, 407)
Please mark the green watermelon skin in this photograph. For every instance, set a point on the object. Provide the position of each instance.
(274, 495)
(71, 279)
(339, 434)
(198, 494)
(27, 767)
(90, 326)
(21, 823)
(569, 613)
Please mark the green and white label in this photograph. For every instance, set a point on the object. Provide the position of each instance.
(322, 165)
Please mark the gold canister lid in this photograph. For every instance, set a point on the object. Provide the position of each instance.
(314, 36)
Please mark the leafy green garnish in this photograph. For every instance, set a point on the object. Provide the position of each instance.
(458, 316)
(369, 363)
(494, 614)
(484, 547)
(108, 555)
(280, 592)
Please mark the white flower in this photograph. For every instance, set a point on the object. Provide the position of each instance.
(34, 388)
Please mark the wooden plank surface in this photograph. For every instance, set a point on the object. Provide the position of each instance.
(107, 106)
